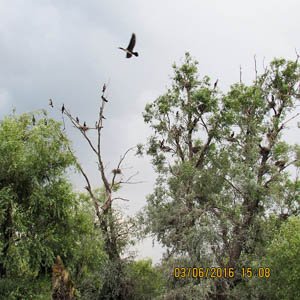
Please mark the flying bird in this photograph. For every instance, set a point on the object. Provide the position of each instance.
(63, 109)
(51, 103)
(129, 49)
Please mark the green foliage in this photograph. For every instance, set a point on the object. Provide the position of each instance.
(40, 216)
(283, 258)
(222, 167)
(146, 281)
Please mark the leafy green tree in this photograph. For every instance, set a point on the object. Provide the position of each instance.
(282, 257)
(222, 166)
(40, 216)
(34, 192)
(144, 280)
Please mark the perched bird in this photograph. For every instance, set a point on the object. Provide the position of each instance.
(63, 109)
(116, 171)
(84, 127)
(280, 164)
(104, 99)
(272, 103)
(196, 149)
(163, 147)
(77, 119)
(103, 117)
(51, 103)
(231, 137)
(202, 107)
(129, 49)
(103, 88)
(96, 125)
(264, 151)
(215, 84)
(33, 120)
(161, 143)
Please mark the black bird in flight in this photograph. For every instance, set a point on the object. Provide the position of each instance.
(129, 49)
(51, 103)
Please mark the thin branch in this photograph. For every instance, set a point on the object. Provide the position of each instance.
(295, 116)
(88, 188)
(255, 67)
(120, 198)
(234, 187)
(120, 163)
(240, 74)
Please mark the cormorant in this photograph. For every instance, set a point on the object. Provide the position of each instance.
(104, 99)
(51, 103)
(215, 84)
(129, 49)
(103, 88)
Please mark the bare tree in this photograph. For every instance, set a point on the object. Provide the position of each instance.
(109, 226)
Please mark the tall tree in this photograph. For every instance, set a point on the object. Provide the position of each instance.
(222, 165)
(34, 193)
(114, 227)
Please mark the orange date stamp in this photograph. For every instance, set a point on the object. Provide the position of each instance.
(218, 272)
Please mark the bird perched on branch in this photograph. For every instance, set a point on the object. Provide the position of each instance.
(280, 164)
(63, 109)
(84, 127)
(215, 84)
(129, 49)
(33, 120)
(196, 149)
(104, 99)
(51, 103)
(272, 103)
(103, 88)
(231, 137)
(264, 151)
(202, 108)
(116, 171)
(77, 120)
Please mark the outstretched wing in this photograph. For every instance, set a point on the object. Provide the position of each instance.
(131, 43)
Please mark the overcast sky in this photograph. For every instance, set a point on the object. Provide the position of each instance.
(66, 50)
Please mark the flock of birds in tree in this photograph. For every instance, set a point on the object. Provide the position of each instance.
(129, 53)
